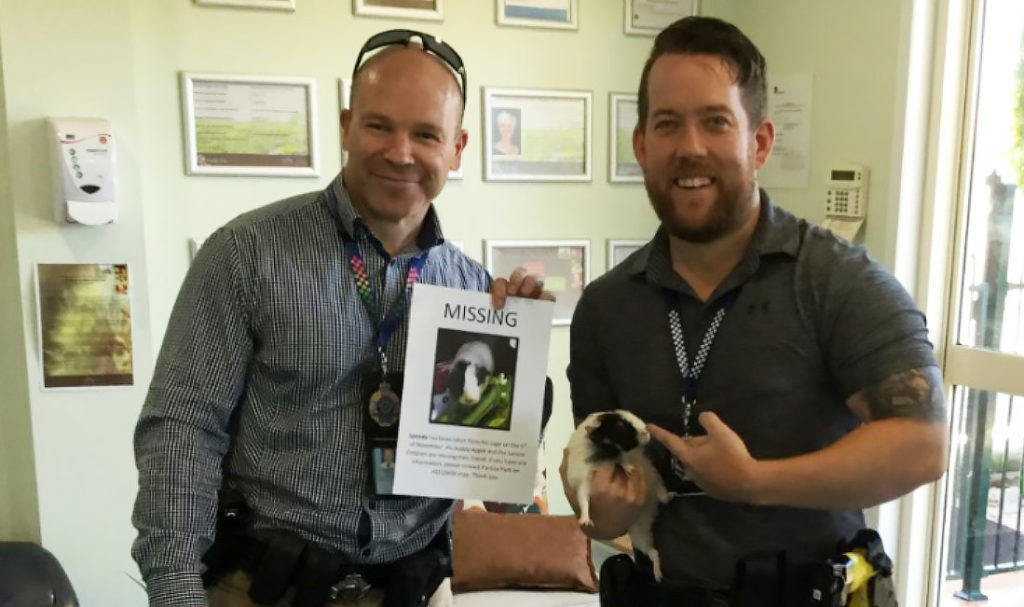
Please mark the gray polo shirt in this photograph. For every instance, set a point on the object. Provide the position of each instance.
(813, 320)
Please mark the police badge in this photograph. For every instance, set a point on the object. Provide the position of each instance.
(385, 406)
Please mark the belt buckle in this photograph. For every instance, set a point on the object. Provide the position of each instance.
(350, 588)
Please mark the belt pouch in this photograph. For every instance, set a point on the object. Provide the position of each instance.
(319, 571)
(274, 570)
(415, 578)
(758, 580)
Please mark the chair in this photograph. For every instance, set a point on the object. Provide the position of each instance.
(31, 577)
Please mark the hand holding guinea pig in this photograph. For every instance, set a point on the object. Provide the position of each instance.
(605, 443)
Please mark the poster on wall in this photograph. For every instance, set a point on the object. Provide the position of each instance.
(250, 125)
(536, 135)
(648, 17)
(622, 164)
(85, 325)
(473, 396)
(790, 99)
(563, 264)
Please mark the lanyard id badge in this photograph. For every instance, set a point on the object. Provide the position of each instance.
(383, 389)
(672, 470)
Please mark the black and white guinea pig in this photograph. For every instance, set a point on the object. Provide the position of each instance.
(619, 437)
(462, 379)
(472, 366)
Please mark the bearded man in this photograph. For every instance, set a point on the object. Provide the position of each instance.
(787, 376)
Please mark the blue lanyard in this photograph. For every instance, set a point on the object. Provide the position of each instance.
(691, 372)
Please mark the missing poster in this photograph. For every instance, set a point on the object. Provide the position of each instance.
(473, 396)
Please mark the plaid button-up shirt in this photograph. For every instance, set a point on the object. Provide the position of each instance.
(269, 338)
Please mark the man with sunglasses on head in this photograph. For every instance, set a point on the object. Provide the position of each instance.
(278, 384)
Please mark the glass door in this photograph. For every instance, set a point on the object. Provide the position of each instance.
(982, 540)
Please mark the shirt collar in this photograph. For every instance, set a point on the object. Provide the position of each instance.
(777, 232)
(430, 232)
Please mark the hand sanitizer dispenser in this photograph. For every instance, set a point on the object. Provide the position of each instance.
(87, 165)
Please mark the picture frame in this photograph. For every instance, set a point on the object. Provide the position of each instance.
(537, 135)
(84, 322)
(279, 5)
(563, 264)
(622, 119)
(648, 17)
(250, 125)
(554, 14)
(430, 10)
(619, 250)
(344, 97)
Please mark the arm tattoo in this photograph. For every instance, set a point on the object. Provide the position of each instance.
(916, 393)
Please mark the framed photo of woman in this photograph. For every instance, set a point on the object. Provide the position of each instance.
(536, 135)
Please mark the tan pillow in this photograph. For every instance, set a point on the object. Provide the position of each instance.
(520, 551)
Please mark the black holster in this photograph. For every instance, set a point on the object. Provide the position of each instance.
(230, 540)
(279, 561)
(763, 579)
(776, 578)
(625, 583)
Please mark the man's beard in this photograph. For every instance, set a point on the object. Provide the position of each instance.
(728, 213)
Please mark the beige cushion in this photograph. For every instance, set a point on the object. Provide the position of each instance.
(494, 551)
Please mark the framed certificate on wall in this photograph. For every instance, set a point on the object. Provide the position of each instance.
(559, 14)
(622, 164)
(400, 9)
(648, 17)
(281, 5)
(249, 125)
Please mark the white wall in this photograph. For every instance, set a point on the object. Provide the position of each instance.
(81, 440)
(18, 518)
(126, 69)
(852, 51)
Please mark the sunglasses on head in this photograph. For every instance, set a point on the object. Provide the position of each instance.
(430, 43)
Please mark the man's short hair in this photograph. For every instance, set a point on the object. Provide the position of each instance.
(710, 36)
